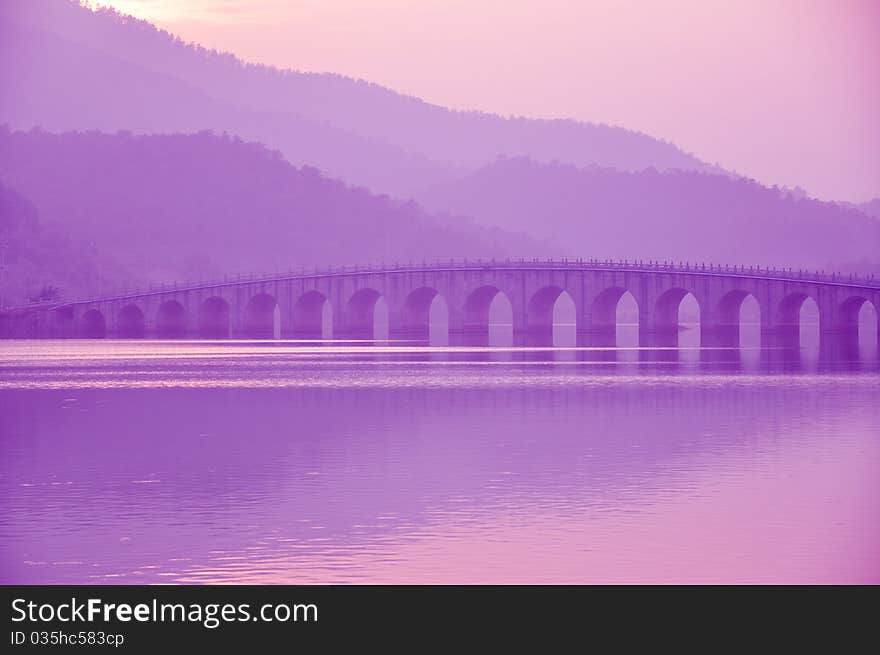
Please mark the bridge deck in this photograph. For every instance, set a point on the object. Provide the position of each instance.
(701, 269)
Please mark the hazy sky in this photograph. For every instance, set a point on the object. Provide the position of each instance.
(787, 91)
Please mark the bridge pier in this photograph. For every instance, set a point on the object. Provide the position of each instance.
(62, 325)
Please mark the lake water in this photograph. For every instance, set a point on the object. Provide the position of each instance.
(280, 462)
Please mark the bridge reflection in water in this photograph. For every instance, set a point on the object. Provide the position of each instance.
(533, 304)
(267, 462)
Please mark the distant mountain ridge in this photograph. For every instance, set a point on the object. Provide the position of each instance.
(442, 140)
(190, 207)
(675, 215)
(60, 85)
(41, 262)
(579, 190)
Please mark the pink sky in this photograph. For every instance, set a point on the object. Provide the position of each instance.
(786, 91)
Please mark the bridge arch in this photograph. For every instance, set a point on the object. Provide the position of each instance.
(738, 320)
(674, 310)
(313, 316)
(93, 325)
(858, 319)
(425, 316)
(262, 317)
(604, 308)
(540, 308)
(130, 322)
(730, 306)
(171, 320)
(477, 304)
(551, 317)
(214, 318)
(488, 317)
(366, 315)
(667, 311)
(65, 327)
(614, 318)
(797, 319)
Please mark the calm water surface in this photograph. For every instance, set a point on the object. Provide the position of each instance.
(278, 462)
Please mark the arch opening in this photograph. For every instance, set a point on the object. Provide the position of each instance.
(688, 322)
(262, 318)
(797, 321)
(367, 315)
(500, 321)
(808, 325)
(214, 319)
(749, 323)
(677, 319)
(313, 316)
(869, 328)
(380, 320)
(488, 317)
(615, 319)
(627, 316)
(171, 320)
(425, 317)
(564, 321)
(130, 322)
(605, 307)
(438, 322)
(552, 318)
(858, 324)
(93, 325)
(739, 321)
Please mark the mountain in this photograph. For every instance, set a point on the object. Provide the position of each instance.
(413, 143)
(621, 194)
(60, 85)
(38, 261)
(675, 215)
(178, 207)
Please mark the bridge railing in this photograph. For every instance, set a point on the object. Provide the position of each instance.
(640, 265)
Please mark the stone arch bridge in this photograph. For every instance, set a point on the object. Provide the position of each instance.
(341, 302)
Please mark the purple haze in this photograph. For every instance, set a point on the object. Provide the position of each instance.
(637, 450)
